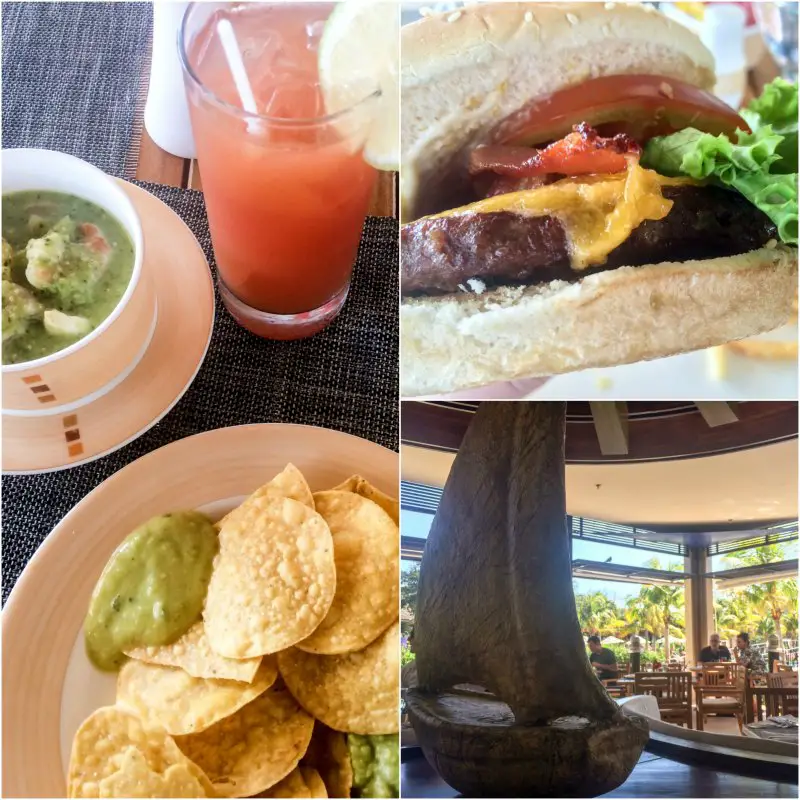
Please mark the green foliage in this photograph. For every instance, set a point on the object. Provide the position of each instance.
(622, 654)
(405, 654)
(409, 585)
(598, 614)
(761, 608)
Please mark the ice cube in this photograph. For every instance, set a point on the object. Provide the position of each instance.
(294, 97)
(314, 34)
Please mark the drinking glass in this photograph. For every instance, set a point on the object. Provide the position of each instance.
(287, 188)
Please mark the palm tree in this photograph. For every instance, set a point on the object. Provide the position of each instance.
(639, 617)
(663, 604)
(733, 614)
(772, 599)
(597, 613)
(665, 601)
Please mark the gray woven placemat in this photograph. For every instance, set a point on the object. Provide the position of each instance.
(344, 378)
(74, 75)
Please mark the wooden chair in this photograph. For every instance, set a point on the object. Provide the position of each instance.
(785, 702)
(613, 688)
(672, 691)
(782, 680)
(720, 689)
(770, 701)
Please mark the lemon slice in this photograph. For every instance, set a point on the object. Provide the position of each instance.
(358, 55)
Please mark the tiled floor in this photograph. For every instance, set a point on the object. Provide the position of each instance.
(716, 724)
(652, 777)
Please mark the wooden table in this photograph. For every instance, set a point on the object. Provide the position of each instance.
(774, 733)
(161, 167)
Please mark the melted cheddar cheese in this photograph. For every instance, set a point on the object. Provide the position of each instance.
(598, 212)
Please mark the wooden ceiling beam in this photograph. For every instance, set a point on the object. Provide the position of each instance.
(611, 426)
(716, 413)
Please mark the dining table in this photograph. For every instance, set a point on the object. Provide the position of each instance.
(75, 79)
(772, 729)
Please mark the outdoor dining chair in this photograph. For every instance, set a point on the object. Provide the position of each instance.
(784, 702)
(720, 689)
(776, 699)
(672, 691)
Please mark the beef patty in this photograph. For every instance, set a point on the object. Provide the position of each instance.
(502, 248)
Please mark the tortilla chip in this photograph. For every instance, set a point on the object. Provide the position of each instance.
(315, 784)
(193, 654)
(254, 748)
(289, 483)
(293, 785)
(136, 779)
(274, 579)
(329, 755)
(115, 754)
(182, 704)
(366, 550)
(353, 693)
(361, 486)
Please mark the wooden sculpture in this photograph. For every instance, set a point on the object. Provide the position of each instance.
(495, 608)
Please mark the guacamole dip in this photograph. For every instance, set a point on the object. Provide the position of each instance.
(66, 264)
(376, 765)
(153, 587)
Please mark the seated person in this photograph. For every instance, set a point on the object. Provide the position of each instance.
(603, 660)
(714, 651)
(747, 656)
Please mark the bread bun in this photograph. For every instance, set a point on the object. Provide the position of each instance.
(628, 314)
(465, 71)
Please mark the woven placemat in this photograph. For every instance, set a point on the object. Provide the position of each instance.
(74, 77)
(344, 378)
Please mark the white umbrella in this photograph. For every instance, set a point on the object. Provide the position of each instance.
(672, 640)
(611, 640)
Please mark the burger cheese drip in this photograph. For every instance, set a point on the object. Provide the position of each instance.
(598, 212)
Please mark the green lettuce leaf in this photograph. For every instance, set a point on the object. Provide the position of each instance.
(777, 106)
(754, 165)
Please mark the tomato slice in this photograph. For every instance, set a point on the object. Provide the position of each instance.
(640, 106)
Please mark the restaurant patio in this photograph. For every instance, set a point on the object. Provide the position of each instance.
(682, 522)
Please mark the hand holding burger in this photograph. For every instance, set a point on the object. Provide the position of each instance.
(574, 196)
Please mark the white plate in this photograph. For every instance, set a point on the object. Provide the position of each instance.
(49, 686)
(683, 377)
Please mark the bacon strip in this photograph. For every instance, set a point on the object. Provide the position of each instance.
(581, 152)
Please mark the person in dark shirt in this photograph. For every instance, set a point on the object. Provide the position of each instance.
(714, 651)
(602, 659)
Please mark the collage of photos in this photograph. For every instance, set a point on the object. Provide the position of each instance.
(399, 399)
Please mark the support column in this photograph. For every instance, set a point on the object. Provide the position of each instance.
(699, 600)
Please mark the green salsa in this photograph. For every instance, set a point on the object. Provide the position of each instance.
(376, 765)
(66, 264)
(153, 587)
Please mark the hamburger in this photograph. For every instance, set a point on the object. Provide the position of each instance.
(574, 196)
